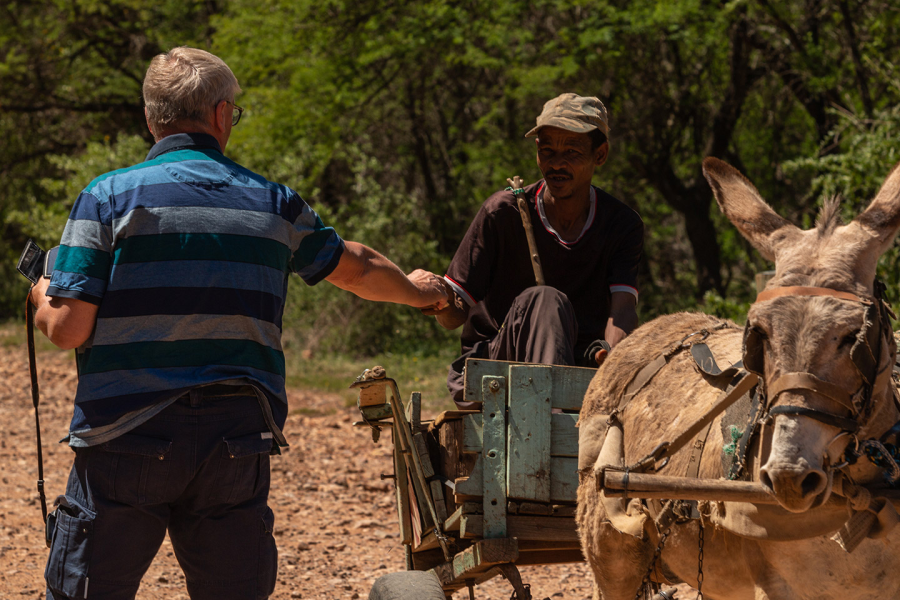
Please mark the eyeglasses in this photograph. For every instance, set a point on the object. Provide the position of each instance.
(236, 113)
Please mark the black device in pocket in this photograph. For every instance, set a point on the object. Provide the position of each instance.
(35, 263)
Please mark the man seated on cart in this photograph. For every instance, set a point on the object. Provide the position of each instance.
(589, 244)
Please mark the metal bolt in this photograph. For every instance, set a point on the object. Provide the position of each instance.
(495, 386)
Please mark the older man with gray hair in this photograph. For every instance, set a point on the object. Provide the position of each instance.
(170, 282)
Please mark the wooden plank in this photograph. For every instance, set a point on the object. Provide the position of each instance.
(473, 433)
(373, 394)
(437, 494)
(475, 370)
(422, 450)
(494, 455)
(401, 488)
(467, 508)
(563, 479)
(528, 458)
(524, 527)
(449, 415)
(414, 411)
(480, 557)
(473, 485)
(569, 383)
(563, 435)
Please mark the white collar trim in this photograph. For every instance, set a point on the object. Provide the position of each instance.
(592, 212)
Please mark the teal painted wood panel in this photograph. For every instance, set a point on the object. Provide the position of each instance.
(563, 435)
(472, 433)
(528, 461)
(563, 479)
(569, 383)
(494, 455)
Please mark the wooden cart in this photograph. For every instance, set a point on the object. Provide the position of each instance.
(481, 492)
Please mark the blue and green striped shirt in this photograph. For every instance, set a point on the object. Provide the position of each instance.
(187, 256)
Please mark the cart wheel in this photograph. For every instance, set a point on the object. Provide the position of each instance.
(407, 585)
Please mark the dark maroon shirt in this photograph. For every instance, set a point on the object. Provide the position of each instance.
(492, 265)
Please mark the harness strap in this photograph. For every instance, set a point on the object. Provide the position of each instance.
(741, 387)
(35, 399)
(842, 423)
(643, 377)
(808, 381)
(801, 290)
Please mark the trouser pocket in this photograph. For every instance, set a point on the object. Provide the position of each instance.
(134, 469)
(268, 556)
(242, 466)
(70, 551)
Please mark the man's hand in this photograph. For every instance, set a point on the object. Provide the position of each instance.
(38, 293)
(453, 313)
(432, 288)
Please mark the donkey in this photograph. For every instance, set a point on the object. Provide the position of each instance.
(805, 336)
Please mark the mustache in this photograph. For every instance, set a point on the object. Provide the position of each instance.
(558, 173)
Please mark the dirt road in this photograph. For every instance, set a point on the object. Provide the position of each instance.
(336, 523)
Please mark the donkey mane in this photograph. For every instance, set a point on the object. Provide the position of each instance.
(829, 217)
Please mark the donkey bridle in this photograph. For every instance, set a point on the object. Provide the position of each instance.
(865, 354)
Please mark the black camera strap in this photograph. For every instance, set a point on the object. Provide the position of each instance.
(36, 399)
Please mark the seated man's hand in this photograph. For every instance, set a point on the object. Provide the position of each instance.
(432, 290)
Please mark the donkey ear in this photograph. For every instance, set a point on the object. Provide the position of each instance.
(745, 208)
(882, 217)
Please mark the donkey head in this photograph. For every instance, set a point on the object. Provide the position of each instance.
(809, 343)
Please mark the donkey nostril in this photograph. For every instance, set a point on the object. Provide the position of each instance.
(812, 483)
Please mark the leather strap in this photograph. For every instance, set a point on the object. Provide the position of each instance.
(808, 381)
(36, 400)
(643, 377)
(707, 364)
(800, 290)
(693, 470)
(744, 384)
(841, 423)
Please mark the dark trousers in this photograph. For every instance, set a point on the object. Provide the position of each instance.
(540, 327)
(199, 469)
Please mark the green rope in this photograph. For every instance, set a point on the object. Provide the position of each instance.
(736, 435)
(515, 192)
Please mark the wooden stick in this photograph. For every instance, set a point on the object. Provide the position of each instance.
(516, 183)
(642, 485)
(616, 484)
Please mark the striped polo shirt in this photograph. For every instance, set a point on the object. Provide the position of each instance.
(187, 256)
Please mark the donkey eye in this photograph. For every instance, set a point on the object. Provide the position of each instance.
(848, 340)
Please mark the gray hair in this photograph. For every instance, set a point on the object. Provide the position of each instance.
(184, 85)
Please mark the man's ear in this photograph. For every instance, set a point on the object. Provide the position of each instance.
(149, 127)
(601, 154)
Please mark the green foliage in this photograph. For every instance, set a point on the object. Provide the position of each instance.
(857, 174)
(395, 120)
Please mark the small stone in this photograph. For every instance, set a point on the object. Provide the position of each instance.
(163, 579)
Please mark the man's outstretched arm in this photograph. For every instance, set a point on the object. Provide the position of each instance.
(371, 276)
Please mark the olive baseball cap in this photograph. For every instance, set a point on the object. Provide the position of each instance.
(580, 114)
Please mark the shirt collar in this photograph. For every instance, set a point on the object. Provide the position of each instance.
(181, 141)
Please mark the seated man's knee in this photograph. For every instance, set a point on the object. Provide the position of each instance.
(543, 293)
(546, 300)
